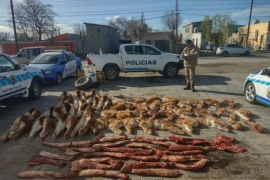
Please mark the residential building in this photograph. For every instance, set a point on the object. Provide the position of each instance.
(258, 37)
(193, 31)
(160, 40)
(101, 38)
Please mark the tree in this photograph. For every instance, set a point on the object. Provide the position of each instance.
(206, 27)
(131, 29)
(80, 29)
(169, 21)
(217, 29)
(34, 18)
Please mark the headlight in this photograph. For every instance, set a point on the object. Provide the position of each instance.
(48, 71)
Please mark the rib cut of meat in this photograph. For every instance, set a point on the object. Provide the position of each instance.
(226, 144)
(102, 173)
(128, 166)
(111, 139)
(46, 174)
(119, 149)
(141, 145)
(142, 152)
(182, 158)
(191, 141)
(55, 156)
(145, 158)
(88, 164)
(192, 167)
(150, 138)
(107, 154)
(159, 143)
(156, 172)
(43, 160)
(184, 152)
(184, 148)
(115, 144)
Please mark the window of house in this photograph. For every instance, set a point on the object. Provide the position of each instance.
(98, 30)
(148, 42)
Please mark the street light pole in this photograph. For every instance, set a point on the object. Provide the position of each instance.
(14, 26)
(176, 29)
(250, 12)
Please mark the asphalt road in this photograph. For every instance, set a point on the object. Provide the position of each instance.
(211, 82)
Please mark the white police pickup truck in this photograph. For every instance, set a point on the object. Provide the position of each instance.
(16, 79)
(257, 87)
(136, 58)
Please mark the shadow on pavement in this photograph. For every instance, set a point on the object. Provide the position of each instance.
(221, 92)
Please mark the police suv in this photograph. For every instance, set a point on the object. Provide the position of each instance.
(16, 79)
(257, 87)
(136, 58)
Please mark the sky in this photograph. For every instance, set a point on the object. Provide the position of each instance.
(70, 12)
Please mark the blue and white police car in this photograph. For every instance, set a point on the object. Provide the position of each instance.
(16, 79)
(257, 87)
(57, 65)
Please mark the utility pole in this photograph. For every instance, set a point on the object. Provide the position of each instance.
(176, 29)
(250, 12)
(14, 26)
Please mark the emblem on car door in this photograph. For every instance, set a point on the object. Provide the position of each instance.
(268, 93)
(13, 79)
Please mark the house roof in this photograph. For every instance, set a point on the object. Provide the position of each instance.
(98, 25)
(193, 23)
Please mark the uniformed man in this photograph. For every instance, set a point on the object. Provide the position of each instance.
(190, 56)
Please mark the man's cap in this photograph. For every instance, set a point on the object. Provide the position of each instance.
(188, 41)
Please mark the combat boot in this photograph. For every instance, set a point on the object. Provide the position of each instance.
(192, 88)
(187, 87)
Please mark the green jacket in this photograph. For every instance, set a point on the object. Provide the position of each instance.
(192, 58)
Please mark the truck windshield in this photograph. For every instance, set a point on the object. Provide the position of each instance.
(46, 59)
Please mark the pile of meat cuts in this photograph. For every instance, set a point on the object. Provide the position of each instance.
(117, 157)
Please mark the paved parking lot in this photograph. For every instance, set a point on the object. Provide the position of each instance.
(252, 164)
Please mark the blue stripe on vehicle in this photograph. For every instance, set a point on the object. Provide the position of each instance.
(12, 92)
(19, 78)
(259, 81)
(263, 100)
(136, 69)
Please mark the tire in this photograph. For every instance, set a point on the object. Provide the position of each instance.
(247, 53)
(111, 73)
(35, 89)
(250, 93)
(83, 83)
(58, 78)
(225, 53)
(171, 70)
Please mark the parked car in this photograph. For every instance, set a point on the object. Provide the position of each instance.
(28, 54)
(57, 65)
(257, 87)
(210, 47)
(233, 49)
(16, 79)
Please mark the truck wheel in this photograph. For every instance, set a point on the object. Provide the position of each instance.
(83, 83)
(58, 78)
(171, 70)
(111, 73)
(35, 89)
